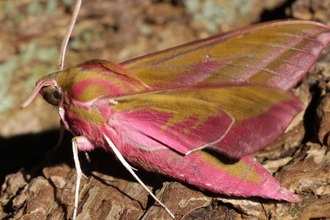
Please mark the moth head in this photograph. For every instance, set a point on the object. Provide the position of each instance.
(86, 82)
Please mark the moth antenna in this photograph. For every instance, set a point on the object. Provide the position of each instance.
(217, 141)
(68, 34)
(129, 168)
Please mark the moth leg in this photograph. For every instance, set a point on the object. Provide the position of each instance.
(61, 112)
(130, 169)
(87, 157)
(76, 141)
(61, 136)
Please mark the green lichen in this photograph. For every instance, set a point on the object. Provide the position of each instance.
(6, 70)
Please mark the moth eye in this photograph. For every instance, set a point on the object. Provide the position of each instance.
(52, 96)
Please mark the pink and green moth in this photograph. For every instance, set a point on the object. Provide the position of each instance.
(178, 112)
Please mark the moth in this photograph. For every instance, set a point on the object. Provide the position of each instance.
(180, 111)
